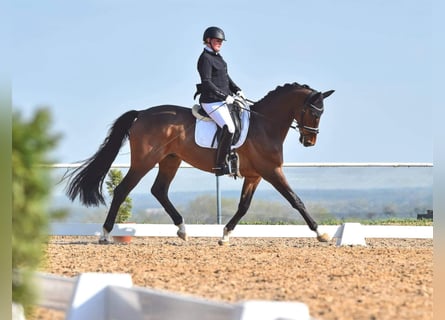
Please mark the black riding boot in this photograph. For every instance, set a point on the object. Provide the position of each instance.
(221, 154)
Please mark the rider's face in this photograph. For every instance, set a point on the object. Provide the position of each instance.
(216, 44)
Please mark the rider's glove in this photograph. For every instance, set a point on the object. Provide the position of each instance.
(241, 95)
(230, 100)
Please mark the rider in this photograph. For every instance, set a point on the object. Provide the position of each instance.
(217, 90)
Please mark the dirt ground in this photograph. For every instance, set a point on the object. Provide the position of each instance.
(387, 279)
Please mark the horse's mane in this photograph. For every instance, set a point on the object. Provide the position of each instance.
(280, 89)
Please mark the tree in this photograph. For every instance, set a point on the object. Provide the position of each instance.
(202, 209)
(320, 213)
(390, 210)
(31, 186)
(124, 212)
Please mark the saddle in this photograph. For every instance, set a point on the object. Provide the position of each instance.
(207, 133)
(235, 112)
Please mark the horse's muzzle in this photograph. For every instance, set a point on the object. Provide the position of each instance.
(307, 142)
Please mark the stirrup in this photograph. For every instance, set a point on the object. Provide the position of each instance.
(221, 170)
(233, 162)
(230, 167)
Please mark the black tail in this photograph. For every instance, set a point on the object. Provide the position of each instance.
(86, 181)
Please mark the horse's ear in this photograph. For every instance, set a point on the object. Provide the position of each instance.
(328, 93)
(317, 96)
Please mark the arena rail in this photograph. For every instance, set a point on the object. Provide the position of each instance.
(103, 296)
(286, 164)
(349, 233)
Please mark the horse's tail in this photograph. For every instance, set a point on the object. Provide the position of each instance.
(87, 180)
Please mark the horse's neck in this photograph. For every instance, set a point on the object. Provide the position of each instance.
(269, 124)
(281, 111)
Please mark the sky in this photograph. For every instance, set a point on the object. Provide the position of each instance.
(91, 61)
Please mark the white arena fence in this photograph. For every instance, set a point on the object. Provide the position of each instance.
(289, 164)
(349, 233)
(112, 296)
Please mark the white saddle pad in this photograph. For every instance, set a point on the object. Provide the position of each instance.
(205, 131)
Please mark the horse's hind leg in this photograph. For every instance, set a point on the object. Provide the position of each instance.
(127, 184)
(167, 171)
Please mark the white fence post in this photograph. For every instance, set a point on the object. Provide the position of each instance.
(351, 234)
(90, 295)
(271, 310)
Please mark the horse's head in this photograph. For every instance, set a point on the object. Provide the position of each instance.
(309, 117)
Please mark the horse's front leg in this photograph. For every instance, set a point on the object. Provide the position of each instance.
(224, 241)
(278, 180)
(181, 231)
(249, 186)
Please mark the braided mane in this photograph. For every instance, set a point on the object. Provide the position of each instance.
(280, 89)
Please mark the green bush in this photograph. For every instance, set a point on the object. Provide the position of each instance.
(114, 178)
(31, 185)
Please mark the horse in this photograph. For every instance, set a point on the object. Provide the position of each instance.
(164, 135)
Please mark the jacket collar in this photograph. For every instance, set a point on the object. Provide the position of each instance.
(209, 50)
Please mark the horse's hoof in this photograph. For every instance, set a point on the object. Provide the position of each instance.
(222, 242)
(104, 241)
(324, 237)
(182, 235)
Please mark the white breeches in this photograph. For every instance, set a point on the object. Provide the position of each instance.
(220, 113)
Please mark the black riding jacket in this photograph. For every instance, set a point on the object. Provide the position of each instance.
(216, 84)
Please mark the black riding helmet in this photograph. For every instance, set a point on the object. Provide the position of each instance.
(213, 32)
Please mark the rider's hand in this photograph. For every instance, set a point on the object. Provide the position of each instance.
(230, 100)
(241, 95)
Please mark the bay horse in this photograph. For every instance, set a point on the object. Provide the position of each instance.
(164, 135)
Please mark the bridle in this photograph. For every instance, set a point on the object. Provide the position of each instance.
(308, 107)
